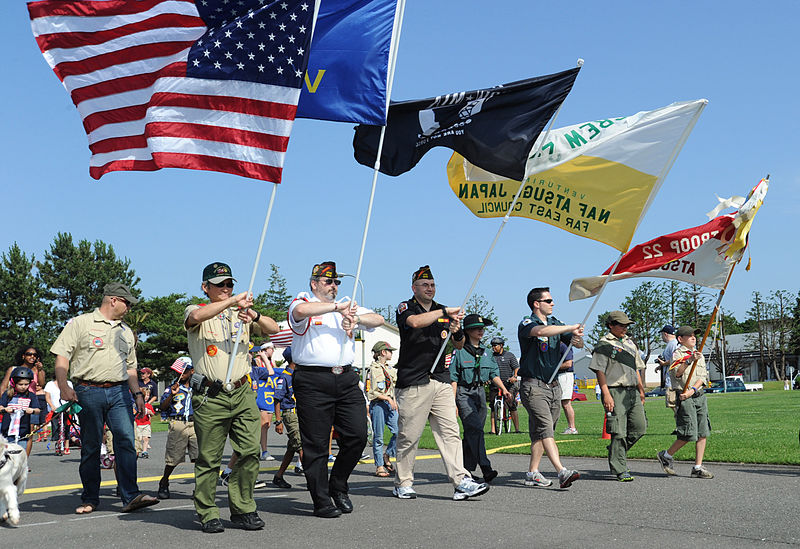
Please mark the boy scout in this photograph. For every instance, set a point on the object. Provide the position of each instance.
(618, 366)
(691, 415)
(225, 409)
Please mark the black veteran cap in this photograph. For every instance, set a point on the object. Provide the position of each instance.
(619, 317)
(423, 272)
(217, 272)
(326, 269)
(115, 289)
(476, 321)
(684, 331)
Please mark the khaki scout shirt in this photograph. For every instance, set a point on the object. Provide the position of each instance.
(678, 358)
(211, 344)
(377, 382)
(617, 373)
(98, 349)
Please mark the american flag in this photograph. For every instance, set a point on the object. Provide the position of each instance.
(180, 364)
(205, 84)
(282, 338)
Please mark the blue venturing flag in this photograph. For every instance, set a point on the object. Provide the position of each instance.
(349, 62)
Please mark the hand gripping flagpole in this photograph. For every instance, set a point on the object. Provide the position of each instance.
(232, 359)
(499, 232)
(398, 25)
(656, 188)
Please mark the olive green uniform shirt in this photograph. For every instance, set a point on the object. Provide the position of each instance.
(98, 349)
(678, 358)
(617, 373)
(211, 344)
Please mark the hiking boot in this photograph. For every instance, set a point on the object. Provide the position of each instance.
(701, 472)
(213, 526)
(566, 477)
(537, 479)
(625, 477)
(248, 521)
(666, 463)
(280, 483)
(404, 492)
(469, 488)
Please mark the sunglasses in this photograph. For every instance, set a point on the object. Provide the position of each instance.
(544, 300)
(226, 284)
(329, 281)
(125, 301)
(31, 354)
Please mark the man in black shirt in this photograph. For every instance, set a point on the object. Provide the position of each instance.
(424, 395)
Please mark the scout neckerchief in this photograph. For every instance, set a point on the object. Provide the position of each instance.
(477, 353)
(684, 358)
(621, 355)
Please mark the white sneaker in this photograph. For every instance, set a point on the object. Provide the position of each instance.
(570, 431)
(537, 479)
(469, 488)
(404, 492)
(266, 456)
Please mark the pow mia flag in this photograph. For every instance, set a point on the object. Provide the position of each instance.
(493, 128)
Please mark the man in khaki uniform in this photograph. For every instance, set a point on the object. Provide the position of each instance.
(691, 415)
(618, 366)
(227, 407)
(97, 349)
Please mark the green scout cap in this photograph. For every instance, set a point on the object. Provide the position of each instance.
(116, 289)
(684, 331)
(382, 346)
(326, 269)
(217, 272)
(476, 321)
(619, 317)
(423, 272)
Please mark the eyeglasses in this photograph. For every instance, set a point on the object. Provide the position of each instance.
(329, 281)
(125, 301)
(545, 300)
(31, 354)
(426, 285)
(226, 284)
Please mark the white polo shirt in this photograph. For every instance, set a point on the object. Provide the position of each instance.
(320, 340)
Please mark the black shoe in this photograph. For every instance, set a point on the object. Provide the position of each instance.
(163, 492)
(248, 521)
(213, 526)
(343, 502)
(328, 512)
(490, 476)
(280, 483)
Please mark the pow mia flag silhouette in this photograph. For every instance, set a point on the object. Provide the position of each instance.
(494, 128)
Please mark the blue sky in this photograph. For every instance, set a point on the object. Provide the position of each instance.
(741, 56)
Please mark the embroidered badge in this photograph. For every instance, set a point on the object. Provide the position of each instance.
(543, 346)
(97, 342)
(237, 324)
(526, 321)
(211, 350)
(444, 334)
(402, 308)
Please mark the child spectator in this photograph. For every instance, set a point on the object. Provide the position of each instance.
(143, 429)
(286, 414)
(18, 404)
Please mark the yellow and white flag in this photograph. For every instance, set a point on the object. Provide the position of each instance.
(594, 179)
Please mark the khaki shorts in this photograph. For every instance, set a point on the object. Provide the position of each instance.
(180, 438)
(292, 426)
(691, 419)
(543, 403)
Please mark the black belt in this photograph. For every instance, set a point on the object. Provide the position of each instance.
(181, 418)
(102, 384)
(336, 370)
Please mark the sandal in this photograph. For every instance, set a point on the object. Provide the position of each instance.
(381, 472)
(138, 502)
(388, 463)
(85, 508)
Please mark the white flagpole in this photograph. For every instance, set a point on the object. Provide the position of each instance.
(499, 231)
(398, 25)
(661, 176)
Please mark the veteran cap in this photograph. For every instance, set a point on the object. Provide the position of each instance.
(382, 346)
(619, 317)
(476, 321)
(217, 272)
(116, 289)
(326, 269)
(684, 331)
(423, 272)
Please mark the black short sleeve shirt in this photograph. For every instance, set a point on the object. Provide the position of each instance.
(540, 355)
(418, 347)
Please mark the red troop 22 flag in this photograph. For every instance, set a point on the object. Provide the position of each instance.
(205, 84)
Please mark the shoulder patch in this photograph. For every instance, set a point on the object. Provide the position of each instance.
(526, 321)
(402, 308)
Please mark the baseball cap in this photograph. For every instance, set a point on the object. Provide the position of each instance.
(217, 272)
(287, 354)
(382, 346)
(619, 317)
(668, 329)
(117, 289)
(684, 331)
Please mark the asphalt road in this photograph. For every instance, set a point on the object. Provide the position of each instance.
(743, 506)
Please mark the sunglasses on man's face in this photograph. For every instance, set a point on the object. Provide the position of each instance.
(329, 281)
(544, 300)
(226, 284)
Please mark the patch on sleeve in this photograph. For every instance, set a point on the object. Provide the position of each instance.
(402, 308)
(526, 321)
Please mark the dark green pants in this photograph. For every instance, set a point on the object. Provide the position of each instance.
(626, 425)
(233, 415)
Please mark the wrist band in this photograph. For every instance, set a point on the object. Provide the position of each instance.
(138, 394)
(258, 317)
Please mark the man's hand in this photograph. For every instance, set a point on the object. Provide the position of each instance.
(68, 394)
(279, 428)
(243, 301)
(393, 403)
(456, 316)
(608, 402)
(139, 403)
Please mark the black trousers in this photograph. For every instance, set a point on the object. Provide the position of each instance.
(326, 400)
(471, 404)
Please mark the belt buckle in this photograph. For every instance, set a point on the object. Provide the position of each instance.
(229, 387)
(337, 370)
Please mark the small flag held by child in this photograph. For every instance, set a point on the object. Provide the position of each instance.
(180, 364)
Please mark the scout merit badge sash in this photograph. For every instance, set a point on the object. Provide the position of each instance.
(622, 356)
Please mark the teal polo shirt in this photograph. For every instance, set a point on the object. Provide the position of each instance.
(540, 355)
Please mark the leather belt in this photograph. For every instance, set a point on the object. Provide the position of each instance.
(181, 418)
(336, 370)
(102, 384)
(235, 384)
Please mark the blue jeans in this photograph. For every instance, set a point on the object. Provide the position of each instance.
(112, 406)
(382, 414)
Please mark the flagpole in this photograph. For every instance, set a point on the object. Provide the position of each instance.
(499, 231)
(398, 25)
(252, 279)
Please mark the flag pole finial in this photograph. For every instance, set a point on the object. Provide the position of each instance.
(580, 62)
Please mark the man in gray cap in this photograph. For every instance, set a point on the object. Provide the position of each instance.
(98, 350)
(618, 365)
(665, 358)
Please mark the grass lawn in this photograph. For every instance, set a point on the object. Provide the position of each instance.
(760, 427)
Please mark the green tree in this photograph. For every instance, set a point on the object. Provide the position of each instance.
(162, 337)
(75, 275)
(693, 306)
(478, 304)
(25, 316)
(388, 313)
(649, 310)
(598, 330)
(274, 302)
(794, 336)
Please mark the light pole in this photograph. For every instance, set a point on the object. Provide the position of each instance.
(361, 332)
